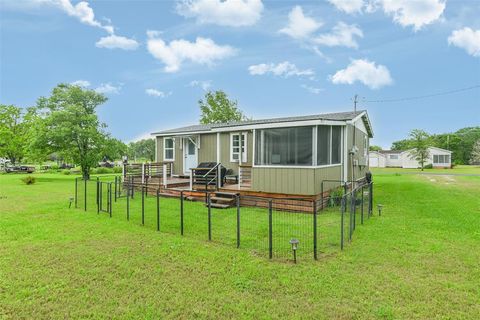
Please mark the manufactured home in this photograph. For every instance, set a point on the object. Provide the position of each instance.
(438, 158)
(289, 156)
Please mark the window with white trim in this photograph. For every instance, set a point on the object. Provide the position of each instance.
(168, 149)
(440, 158)
(393, 156)
(329, 145)
(237, 139)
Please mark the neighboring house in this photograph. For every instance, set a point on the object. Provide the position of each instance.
(283, 155)
(438, 158)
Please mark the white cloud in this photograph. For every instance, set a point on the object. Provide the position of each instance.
(117, 42)
(342, 35)
(205, 85)
(157, 93)
(81, 83)
(108, 88)
(82, 11)
(232, 13)
(416, 13)
(202, 51)
(312, 89)
(284, 69)
(348, 6)
(365, 72)
(467, 39)
(299, 26)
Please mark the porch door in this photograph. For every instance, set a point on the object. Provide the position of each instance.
(190, 155)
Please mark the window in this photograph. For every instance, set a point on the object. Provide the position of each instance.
(168, 149)
(329, 145)
(284, 146)
(440, 158)
(235, 147)
(336, 144)
(393, 156)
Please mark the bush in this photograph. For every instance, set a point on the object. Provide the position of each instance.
(103, 170)
(117, 170)
(66, 172)
(428, 166)
(29, 180)
(54, 167)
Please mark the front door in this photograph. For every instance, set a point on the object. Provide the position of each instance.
(190, 155)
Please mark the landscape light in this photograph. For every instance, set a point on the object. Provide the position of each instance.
(379, 206)
(294, 243)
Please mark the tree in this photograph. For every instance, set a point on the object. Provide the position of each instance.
(114, 149)
(475, 156)
(217, 108)
(402, 145)
(375, 148)
(69, 125)
(420, 143)
(13, 133)
(142, 149)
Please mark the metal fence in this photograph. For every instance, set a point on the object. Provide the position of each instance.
(270, 227)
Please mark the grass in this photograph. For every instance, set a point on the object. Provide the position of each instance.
(418, 261)
(460, 169)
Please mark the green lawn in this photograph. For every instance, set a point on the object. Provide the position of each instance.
(460, 169)
(420, 260)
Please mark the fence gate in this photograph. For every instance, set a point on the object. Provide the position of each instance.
(104, 197)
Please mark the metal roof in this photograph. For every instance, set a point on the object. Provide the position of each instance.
(338, 116)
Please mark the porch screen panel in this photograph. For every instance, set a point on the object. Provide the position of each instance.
(337, 144)
(323, 145)
(284, 146)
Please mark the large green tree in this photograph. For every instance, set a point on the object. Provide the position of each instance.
(475, 157)
(69, 125)
(420, 143)
(143, 149)
(216, 107)
(14, 133)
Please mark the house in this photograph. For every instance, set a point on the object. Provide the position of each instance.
(289, 156)
(438, 158)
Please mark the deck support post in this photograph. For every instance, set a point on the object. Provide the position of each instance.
(164, 175)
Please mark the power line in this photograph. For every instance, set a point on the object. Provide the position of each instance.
(427, 95)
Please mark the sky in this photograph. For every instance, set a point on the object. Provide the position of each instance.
(155, 59)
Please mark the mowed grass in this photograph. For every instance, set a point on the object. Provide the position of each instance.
(420, 260)
(460, 169)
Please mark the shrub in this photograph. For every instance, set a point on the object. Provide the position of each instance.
(117, 170)
(54, 167)
(66, 172)
(428, 166)
(103, 170)
(29, 180)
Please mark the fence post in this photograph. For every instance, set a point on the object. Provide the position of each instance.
(164, 174)
(321, 196)
(270, 238)
(76, 192)
(370, 200)
(362, 202)
(238, 221)
(181, 213)
(85, 195)
(143, 205)
(132, 186)
(110, 203)
(354, 194)
(115, 189)
(315, 229)
(99, 196)
(350, 229)
(209, 217)
(158, 209)
(128, 202)
(342, 220)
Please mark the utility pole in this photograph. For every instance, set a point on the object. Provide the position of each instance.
(355, 101)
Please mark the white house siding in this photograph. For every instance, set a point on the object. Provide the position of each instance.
(405, 159)
(376, 160)
(390, 160)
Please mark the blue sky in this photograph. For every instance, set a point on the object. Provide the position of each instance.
(155, 59)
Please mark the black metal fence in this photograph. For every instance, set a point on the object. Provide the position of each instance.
(270, 227)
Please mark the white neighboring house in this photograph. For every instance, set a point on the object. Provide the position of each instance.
(438, 158)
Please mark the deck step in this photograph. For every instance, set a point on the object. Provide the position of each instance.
(222, 199)
(226, 194)
(220, 205)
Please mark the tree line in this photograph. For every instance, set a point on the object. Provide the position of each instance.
(464, 144)
(65, 126)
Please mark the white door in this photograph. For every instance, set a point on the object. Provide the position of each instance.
(190, 155)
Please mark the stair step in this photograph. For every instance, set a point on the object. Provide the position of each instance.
(220, 205)
(225, 194)
(221, 199)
